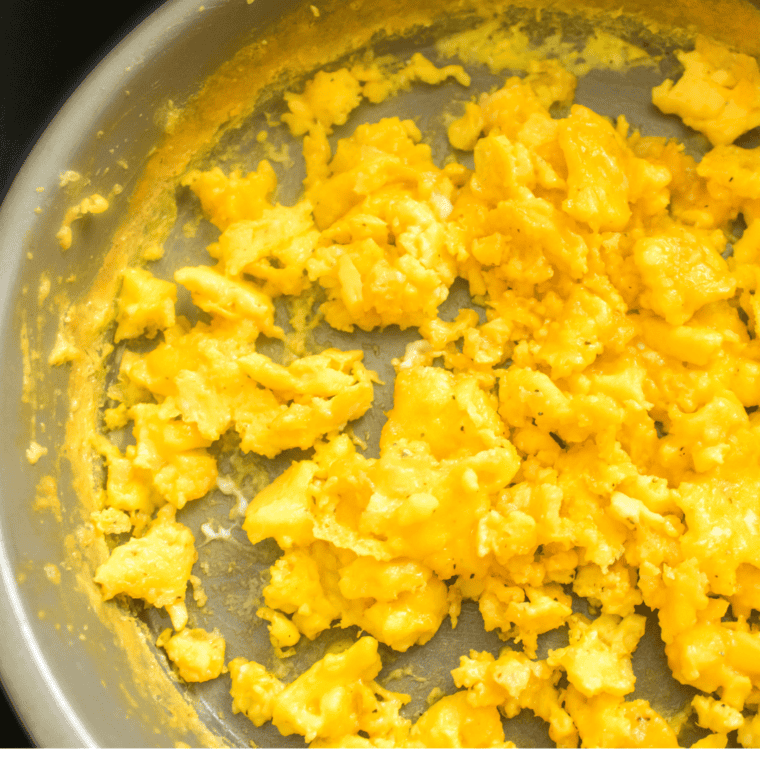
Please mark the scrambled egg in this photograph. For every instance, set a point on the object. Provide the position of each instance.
(595, 432)
(718, 95)
(197, 654)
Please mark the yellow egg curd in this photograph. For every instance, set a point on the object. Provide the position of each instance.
(592, 431)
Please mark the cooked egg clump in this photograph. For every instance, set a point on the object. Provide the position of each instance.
(590, 430)
(718, 95)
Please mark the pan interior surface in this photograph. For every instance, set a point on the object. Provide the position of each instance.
(158, 141)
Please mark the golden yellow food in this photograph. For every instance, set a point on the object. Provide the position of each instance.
(717, 95)
(197, 654)
(588, 429)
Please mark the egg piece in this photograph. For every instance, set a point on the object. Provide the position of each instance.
(514, 682)
(598, 657)
(145, 305)
(335, 697)
(197, 654)
(453, 723)
(607, 721)
(718, 94)
(233, 197)
(155, 567)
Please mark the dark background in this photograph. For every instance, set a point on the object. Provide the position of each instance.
(48, 47)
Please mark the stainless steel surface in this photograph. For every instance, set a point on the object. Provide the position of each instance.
(65, 682)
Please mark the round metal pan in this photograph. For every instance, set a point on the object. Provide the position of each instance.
(67, 674)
